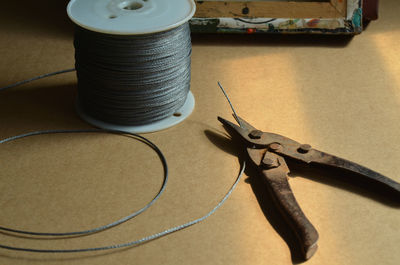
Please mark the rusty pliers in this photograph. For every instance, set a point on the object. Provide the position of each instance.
(268, 152)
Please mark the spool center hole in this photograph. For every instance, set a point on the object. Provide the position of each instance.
(129, 5)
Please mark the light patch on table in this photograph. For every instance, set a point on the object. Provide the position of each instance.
(388, 41)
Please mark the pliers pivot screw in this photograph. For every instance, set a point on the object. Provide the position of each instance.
(274, 146)
(304, 148)
(269, 161)
(255, 134)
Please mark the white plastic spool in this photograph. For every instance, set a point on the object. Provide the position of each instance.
(133, 17)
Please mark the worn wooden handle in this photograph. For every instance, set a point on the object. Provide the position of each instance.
(277, 181)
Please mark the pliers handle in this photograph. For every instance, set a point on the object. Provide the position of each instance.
(268, 152)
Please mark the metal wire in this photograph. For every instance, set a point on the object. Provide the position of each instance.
(230, 104)
(132, 79)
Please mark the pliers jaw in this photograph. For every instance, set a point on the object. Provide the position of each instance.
(249, 134)
(275, 143)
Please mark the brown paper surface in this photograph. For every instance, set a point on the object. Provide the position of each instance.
(339, 94)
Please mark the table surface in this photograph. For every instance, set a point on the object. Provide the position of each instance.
(340, 94)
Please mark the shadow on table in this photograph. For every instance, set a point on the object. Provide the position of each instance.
(45, 15)
(38, 108)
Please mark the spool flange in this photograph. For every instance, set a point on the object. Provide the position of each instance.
(130, 17)
(179, 116)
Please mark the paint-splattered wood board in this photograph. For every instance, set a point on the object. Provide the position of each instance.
(274, 16)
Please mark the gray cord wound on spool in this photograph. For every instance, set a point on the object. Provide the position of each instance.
(132, 79)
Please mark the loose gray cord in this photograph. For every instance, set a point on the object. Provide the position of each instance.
(132, 79)
(132, 243)
(142, 240)
(36, 78)
(136, 242)
(107, 226)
